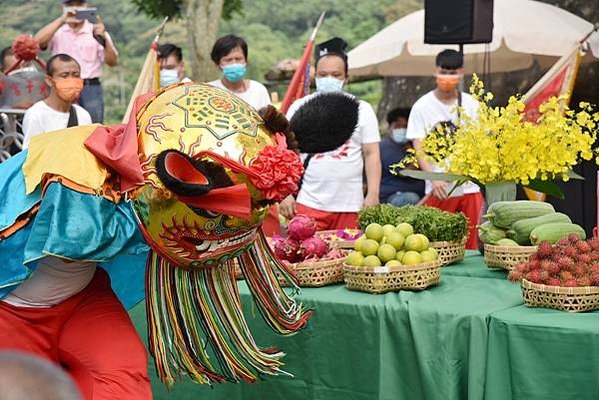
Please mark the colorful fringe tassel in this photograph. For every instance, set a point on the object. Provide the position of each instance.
(196, 325)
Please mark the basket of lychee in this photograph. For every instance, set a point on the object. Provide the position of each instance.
(391, 258)
(310, 258)
(564, 276)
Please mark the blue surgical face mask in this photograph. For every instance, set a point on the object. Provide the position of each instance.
(168, 77)
(328, 84)
(398, 135)
(234, 72)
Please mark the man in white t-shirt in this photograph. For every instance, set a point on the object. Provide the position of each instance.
(440, 106)
(58, 110)
(332, 185)
(230, 54)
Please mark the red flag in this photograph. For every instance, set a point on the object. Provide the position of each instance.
(298, 87)
(558, 81)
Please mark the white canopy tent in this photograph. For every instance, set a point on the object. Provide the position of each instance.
(524, 30)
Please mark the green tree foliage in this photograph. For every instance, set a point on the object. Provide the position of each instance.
(174, 8)
(274, 30)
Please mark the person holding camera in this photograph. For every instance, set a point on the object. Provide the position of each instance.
(80, 33)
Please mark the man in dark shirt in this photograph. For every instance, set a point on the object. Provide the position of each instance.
(395, 189)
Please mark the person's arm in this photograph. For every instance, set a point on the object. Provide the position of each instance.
(111, 55)
(372, 164)
(44, 35)
(439, 187)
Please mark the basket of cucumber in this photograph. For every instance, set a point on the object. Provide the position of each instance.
(515, 228)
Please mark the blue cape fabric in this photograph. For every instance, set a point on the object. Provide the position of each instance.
(70, 225)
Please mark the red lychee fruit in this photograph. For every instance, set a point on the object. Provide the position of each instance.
(566, 275)
(573, 238)
(595, 279)
(545, 250)
(522, 268)
(571, 283)
(583, 246)
(579, 270)
(584, 258)
(563, 242)
(533, 276)
(565, 262)
(534, 265)
(570, 251)
(554, 282)
(584, 281)
(594, 243)
(554, 268)
(515, 276)
(543, 276)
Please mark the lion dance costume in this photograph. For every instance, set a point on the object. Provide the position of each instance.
(188, 180)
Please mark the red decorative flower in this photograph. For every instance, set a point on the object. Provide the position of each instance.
(278, 171)
(25, 47)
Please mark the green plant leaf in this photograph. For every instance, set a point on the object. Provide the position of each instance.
(433, 176)
(547, 187)
(574, 175)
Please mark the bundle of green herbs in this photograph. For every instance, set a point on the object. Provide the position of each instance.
(435, 224)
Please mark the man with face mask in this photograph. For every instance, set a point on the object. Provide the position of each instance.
(332, 186)
(86, 42)
(446, 104)
(58, 110)
(230, 54)
(172, 67)
(397, 190)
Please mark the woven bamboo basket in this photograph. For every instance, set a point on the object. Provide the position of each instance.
(337, 243)
(317, 273)
(571, 299)
(450, 252)
(507, 257)
(390, 279)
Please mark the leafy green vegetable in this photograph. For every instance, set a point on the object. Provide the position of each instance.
(435, 224)
(380, 213)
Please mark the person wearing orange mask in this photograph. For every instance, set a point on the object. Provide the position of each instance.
(58, 110)
(446, 105)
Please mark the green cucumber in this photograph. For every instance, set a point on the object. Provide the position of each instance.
(504, 213)
(521, 230)
(555, 231)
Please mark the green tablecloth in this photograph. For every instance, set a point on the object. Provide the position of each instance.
(468, 338)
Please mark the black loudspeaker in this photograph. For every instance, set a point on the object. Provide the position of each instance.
(458, 21)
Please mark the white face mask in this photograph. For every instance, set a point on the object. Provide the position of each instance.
(329, 84)
(398, 135)
(168, 77)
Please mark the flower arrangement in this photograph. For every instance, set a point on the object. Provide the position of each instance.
(500, 146)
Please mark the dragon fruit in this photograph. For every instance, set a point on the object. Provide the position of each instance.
(287, 249)
(313, 247)
(301, 227)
